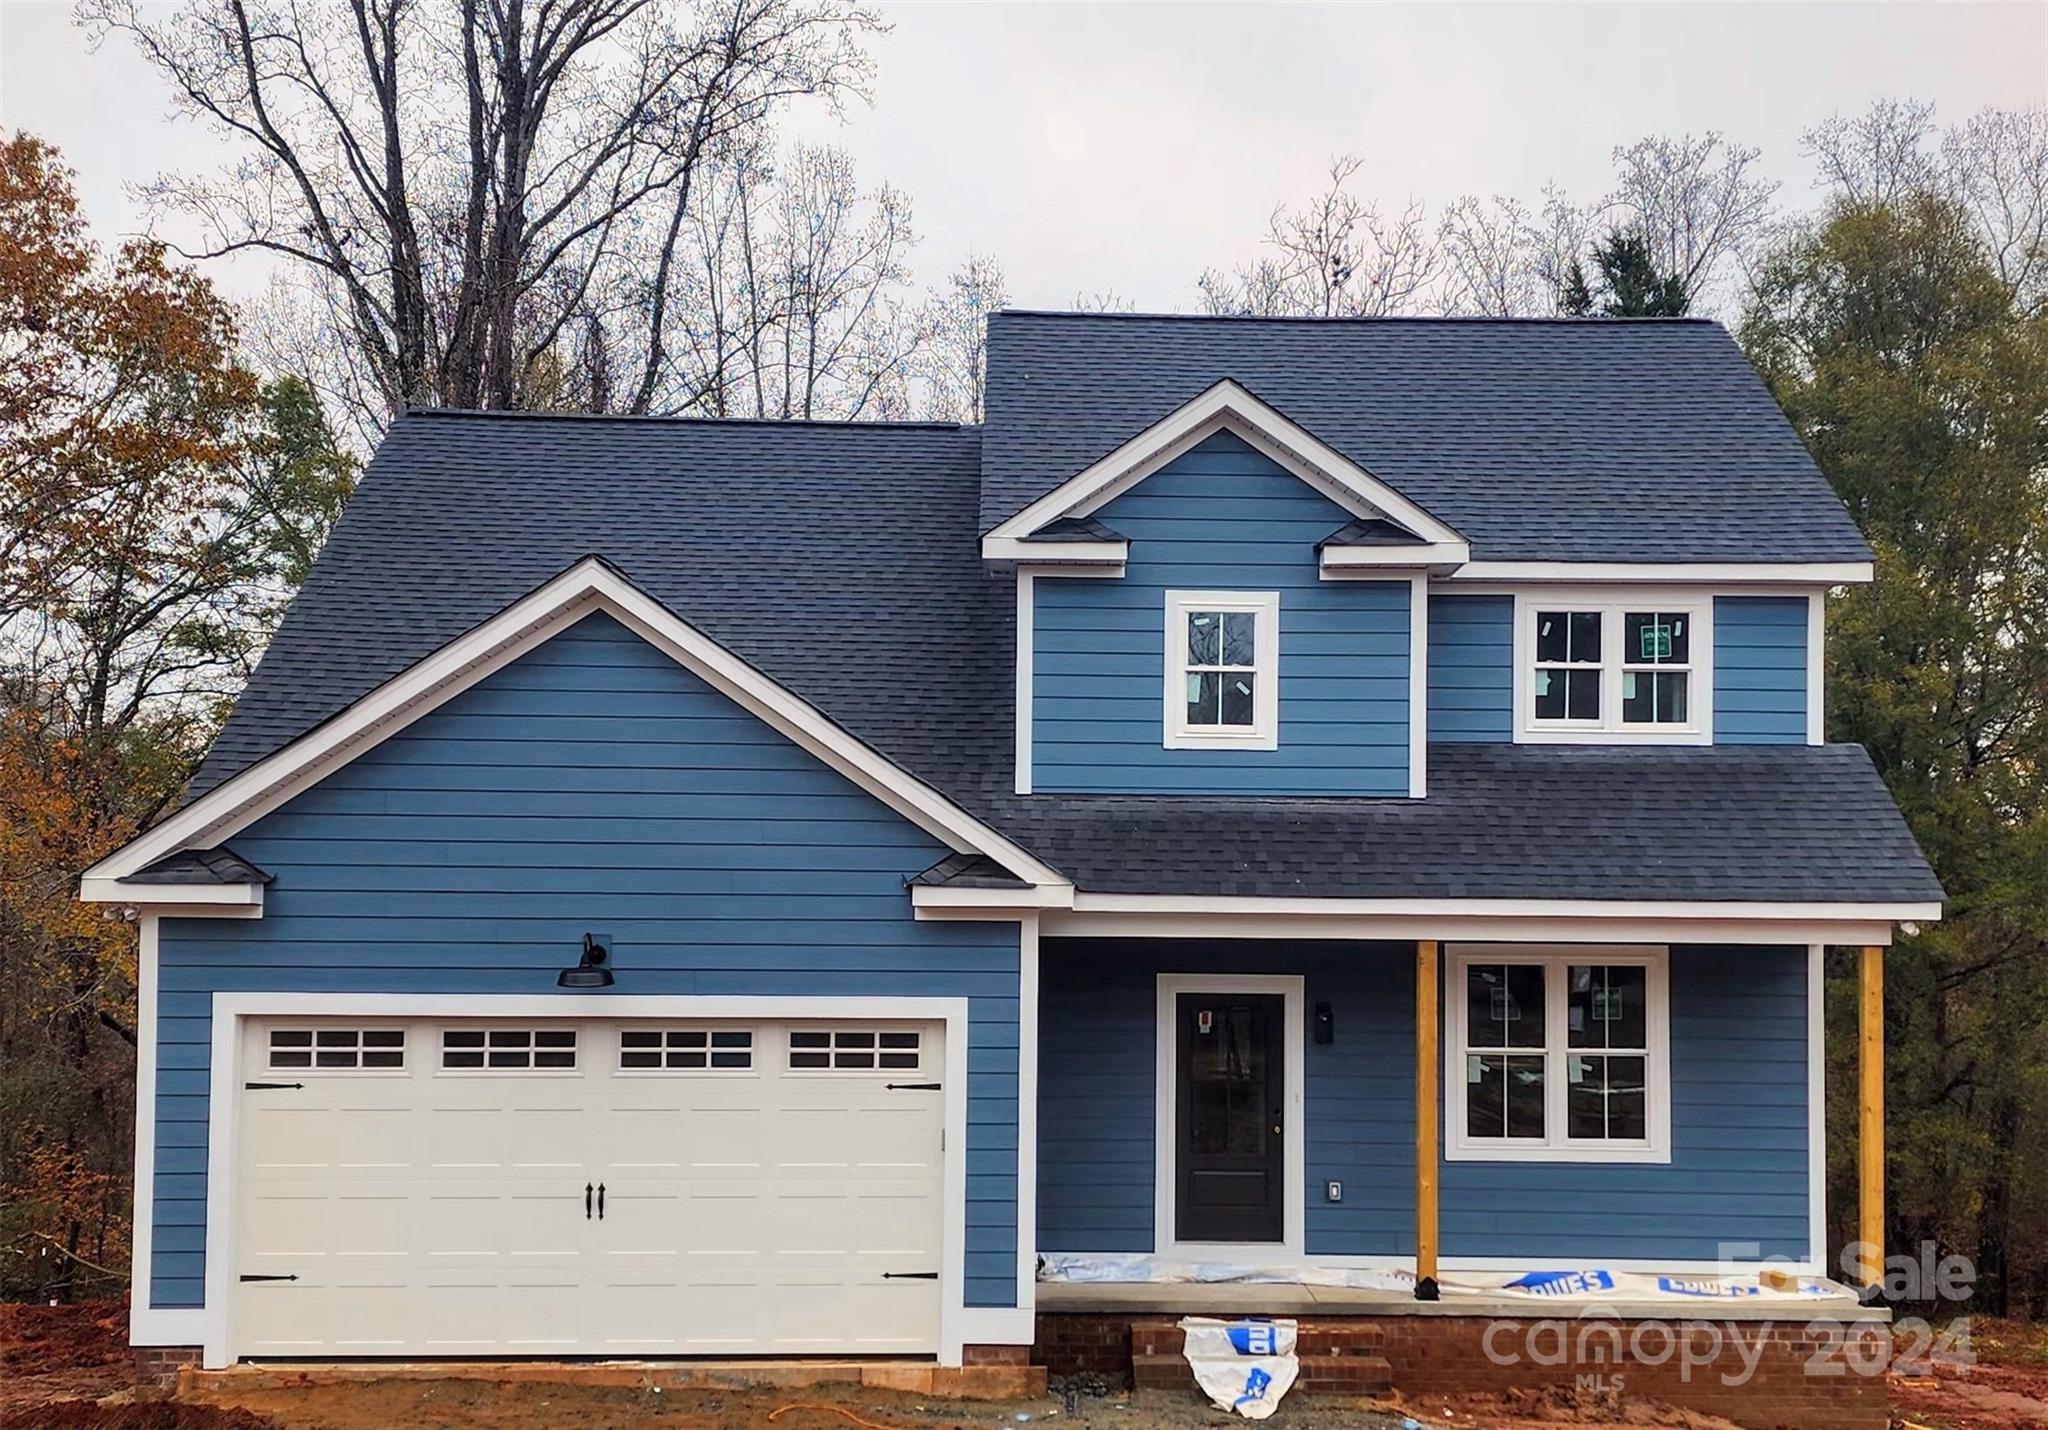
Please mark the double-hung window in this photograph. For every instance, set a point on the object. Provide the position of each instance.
(1558, 1055)
(1222, 670)
(1600, 668)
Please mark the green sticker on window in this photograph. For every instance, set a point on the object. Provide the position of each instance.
(1656, 641)
(1606, 1005)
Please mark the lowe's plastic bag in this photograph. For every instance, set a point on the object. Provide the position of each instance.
(1244, 1366)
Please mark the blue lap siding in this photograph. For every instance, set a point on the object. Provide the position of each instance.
(1472, 669)
(1222, 517)
(1738, 1172)
(1760, 670)
(591, 785)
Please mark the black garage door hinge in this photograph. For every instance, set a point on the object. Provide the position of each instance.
(910, 1275)
(265, 1086)
(912, 1086)
(292, 1277)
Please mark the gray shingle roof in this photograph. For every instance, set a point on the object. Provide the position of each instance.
(1570, 440)
(841, 561)
(1721, 823)
(201, 866)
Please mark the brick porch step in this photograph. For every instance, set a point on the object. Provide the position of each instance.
(1340, 1357)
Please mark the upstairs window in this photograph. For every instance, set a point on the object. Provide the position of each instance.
(1593, 670)
(1222, 670)
(1557, 1055)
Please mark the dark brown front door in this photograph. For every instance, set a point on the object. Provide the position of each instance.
(1227, 1118)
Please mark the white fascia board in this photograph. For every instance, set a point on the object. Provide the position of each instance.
(1229, 404)
(1504, 908)
(1718, 573)
(1448, 928)
(95, 889)
(587, 587)
(1055, 553)
(1337, 562)
(1010, 902)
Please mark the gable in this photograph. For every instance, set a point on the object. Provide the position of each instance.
(1228, 408)
(1224, 501)
(593, 762)
(1222, 516)
(589, 586)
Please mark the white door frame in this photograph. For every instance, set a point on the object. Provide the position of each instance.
(959, 1324)
(1294, 1138)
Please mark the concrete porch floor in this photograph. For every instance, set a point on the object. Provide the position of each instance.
(1282, 1298)
(972, 1382)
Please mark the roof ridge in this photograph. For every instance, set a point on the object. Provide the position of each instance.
(537, 415)
(1347, 319)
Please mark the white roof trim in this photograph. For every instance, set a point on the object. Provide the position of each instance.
(589, 586)
(1225, 405)
(938, 896)
(94, 889)
(1054, 553)
(1720, 573)
(1341, 561)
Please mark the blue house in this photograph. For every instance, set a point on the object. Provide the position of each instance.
(725, 888)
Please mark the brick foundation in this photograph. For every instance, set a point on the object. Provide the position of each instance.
(1424, 1356)
(159, 1365)
(995, 1355)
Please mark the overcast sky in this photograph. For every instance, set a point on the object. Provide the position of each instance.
(1125, 148)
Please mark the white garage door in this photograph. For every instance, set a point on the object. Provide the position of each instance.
(480, 1188)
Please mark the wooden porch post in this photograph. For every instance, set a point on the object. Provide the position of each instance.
(1427, 1067)
(1870, 1116)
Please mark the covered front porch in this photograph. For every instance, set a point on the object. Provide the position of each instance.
(1472, 1110)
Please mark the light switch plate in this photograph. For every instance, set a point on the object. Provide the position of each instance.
(1333, 1191)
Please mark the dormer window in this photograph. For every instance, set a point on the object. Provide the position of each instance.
(1222, 670)
(1595, 668)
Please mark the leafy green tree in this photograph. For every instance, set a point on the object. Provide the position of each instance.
(1921, 388)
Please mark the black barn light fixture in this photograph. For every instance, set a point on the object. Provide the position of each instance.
(592, 970)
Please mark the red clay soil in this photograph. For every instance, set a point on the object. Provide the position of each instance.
(2006, 1389)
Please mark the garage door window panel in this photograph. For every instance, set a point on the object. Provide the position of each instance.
(665, 1050)
(854, 1050)
(337, 1050)
(508, 1050)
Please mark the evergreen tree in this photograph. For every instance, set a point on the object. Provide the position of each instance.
(1631, 284)
(1575, 296)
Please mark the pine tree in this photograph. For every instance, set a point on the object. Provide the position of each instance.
(1633, 285)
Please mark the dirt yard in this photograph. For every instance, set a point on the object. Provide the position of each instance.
(67, 1368)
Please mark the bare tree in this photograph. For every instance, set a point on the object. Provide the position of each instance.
(1996, 163)
(1699, 204)
(1105, 300)
(1876, 156)
(954, 366)
(481, 188)
(795, 298)
(1489, 261)
(1336, 256)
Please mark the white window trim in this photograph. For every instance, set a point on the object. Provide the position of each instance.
(1609, 729)
(1165, 1104)
(1264, 731)
(1556, 1146)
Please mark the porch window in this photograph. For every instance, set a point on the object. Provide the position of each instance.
(1592, 669)
(1222, 670)
(1557, 1054)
